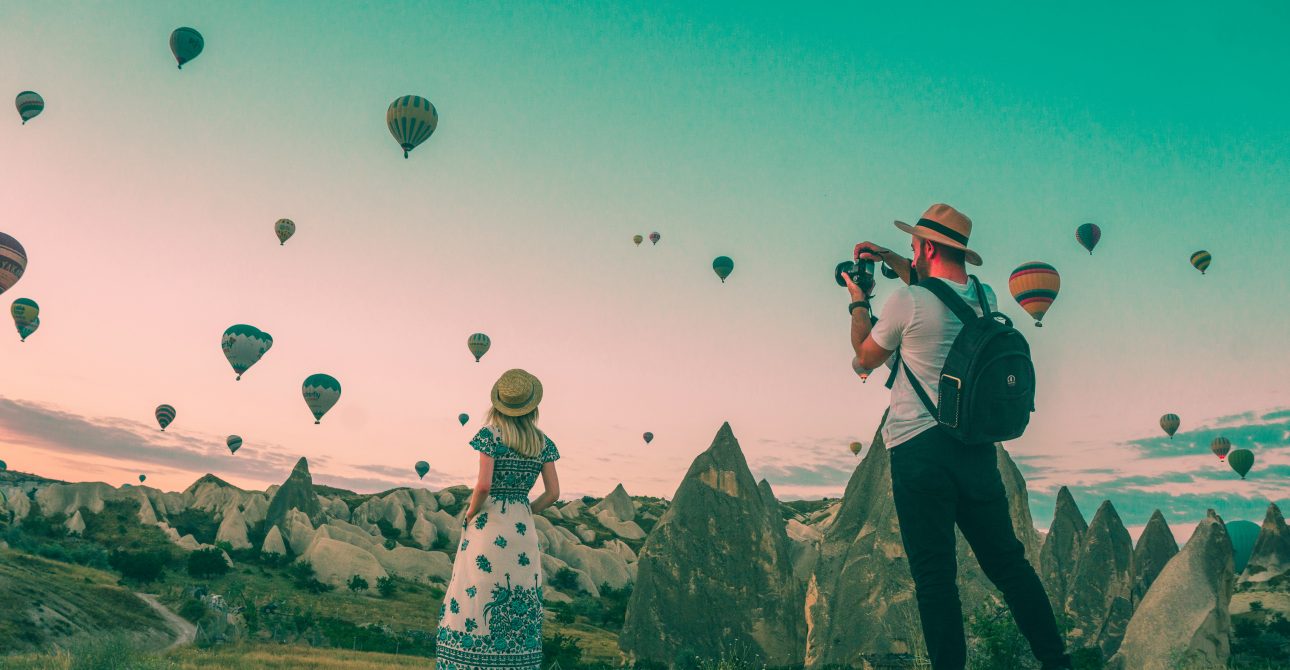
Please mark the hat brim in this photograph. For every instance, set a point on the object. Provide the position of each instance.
(968, 255)
(518, 411)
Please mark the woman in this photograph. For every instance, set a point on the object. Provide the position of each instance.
(492, 612)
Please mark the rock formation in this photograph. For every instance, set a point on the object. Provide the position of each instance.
(1184, 618)
(1271, 556)
(1100, 591)
(860, 599)
(1061, 548)
(714, 575)
(296, 493)
(1156, 546)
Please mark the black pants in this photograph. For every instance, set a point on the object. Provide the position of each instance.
(939, 482)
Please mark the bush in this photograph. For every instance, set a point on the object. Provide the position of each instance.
(357, 583)
(386, 586)
(207, 563)
(143, 566)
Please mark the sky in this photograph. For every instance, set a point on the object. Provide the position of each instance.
(777, 134)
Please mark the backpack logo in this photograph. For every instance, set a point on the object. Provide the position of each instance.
(1012, 380)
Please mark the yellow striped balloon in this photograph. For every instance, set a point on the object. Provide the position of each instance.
(1035, 285)
(411, 120)
(1200, 260)
(13, 262)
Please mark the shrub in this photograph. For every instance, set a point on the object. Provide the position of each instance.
(357, 583)
(143, 566)
(386, 586)
(207, 563)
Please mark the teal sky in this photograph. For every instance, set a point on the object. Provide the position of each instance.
(779, 135)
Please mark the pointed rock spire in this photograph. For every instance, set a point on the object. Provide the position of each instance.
(1099, 596)
(715, 562)
(295, 493)
(1185, 615)
(1061, 548)
(1271, 556)
(1155, 547)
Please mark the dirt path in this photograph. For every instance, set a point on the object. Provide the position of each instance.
(185, 632)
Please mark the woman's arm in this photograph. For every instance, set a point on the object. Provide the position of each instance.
(482, 484)
(551, 482)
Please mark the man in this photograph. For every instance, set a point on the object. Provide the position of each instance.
(938, 481)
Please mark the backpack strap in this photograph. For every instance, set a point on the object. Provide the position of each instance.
(951, 299)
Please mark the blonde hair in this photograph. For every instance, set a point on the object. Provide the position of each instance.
(520, 433)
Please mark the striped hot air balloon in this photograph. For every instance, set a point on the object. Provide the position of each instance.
(723, 266)
(186, 44)
(422, 468)
(1220, 446)
(284, 229)
(1241, 461)
(1035, 285)
(165, 414)
(1200, 260)
(1088, 235)
(638, 239)
(321, 393)
(13, 262)
(478, 345)
(1170, 423)
(29, 104)
(234, 443)
(411, 120)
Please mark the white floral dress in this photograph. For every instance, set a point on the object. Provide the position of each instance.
(492, 611)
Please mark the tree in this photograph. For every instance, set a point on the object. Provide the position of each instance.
(386, 586)
(207, 563)
(357, 583)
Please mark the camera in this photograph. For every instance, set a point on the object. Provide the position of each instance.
(860, 272)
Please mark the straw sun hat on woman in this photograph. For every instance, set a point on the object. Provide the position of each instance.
(514, 414)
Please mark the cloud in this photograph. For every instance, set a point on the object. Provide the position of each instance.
(121, 440)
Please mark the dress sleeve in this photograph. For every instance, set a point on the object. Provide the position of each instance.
(486, 442)
(549, 452)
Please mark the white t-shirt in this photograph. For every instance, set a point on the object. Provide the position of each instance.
(917, 322)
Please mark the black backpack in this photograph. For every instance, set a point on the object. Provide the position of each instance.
(987, 387)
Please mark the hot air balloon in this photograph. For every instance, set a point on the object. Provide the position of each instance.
(234, 443)
(478, 344)
(1088, 235)
(1170, 423)
(422, 468)
(13, 262)
(26, 329)
(165, 414)
(1200, 260)
(649, 437)
(411, 120)
(860, 370)
(654, 238)
(25, 311)
(723, 266)
(1220, 446)
(463, 418)
(29, 104)
(856, 447)
(1241, 461)
(321, 393)
(243, 346)
(1035, 285)
(638, 239)
(142, 478)
(284, 229)
(186, 44)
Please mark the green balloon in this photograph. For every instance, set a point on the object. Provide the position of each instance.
(1241, 461)
(422, 468)
(723, 266)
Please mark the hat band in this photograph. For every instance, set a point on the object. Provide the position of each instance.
(516, 405)
(944, 230)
